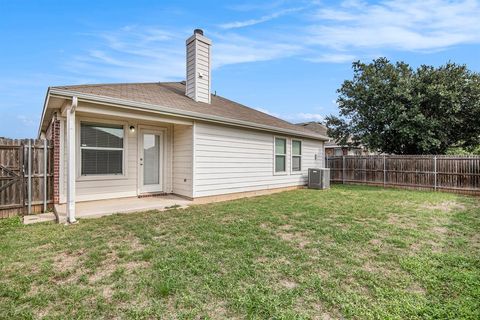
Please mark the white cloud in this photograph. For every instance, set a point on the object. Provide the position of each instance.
(232, 49)
(252, 22)
(333, 58)
(28, 121)
(401, 25)
(144, 54)
(133, 53)
(339, 33)
(309, 116)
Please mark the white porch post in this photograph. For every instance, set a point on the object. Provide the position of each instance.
(71, 161)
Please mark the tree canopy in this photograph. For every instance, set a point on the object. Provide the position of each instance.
(392, 108)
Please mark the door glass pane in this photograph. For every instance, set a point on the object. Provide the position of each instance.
(151, 159)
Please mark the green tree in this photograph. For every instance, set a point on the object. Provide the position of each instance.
(393, 108)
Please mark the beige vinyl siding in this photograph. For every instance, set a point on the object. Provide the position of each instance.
(229, 160)
(183, 160)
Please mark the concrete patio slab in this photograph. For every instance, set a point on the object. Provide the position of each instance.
(37, 218)
(100, 208)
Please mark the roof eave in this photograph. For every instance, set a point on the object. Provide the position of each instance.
(44, 111)
(176, 112)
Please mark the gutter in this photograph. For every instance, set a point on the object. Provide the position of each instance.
(170, 111)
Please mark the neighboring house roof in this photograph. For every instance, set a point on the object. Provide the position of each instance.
(315, 126)
(161, 96)
(322, 129)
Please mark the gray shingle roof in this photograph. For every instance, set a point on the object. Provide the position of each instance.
(172, 95)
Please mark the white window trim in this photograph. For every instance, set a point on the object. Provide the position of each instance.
(280, 173)
(300, 155)
(97, 177)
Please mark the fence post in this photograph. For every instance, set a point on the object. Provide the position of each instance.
(384, 171)
(45, 176)
(29, 176)
(343, 169)
(435, 171)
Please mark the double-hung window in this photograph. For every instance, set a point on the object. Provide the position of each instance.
(296, 155)
(280, 155)
(101, 148)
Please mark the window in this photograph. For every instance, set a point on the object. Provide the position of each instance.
(101, 148)
(280, 154)
(296, 155)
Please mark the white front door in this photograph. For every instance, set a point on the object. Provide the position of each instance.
(150, 161)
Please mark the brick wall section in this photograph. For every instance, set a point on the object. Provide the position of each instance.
(53, 134)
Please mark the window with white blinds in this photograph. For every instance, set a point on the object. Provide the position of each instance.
(101, 147)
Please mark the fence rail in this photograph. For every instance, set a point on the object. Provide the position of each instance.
(448, 173)
(26, 173)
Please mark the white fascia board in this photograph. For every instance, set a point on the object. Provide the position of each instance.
(175, 112)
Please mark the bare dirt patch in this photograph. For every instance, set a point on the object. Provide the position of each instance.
(67, 260)
(372, 267)
(404, 222)
(316, 310)
(416, 288)
(288, 283)
(440, 230)
(107, 292)
(107, 267)
(286, 233)
(134, 265)
(217, 310)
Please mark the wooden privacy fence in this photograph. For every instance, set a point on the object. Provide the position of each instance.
(449, 173)
(25, 176)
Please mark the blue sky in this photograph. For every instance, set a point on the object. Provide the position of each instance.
(282, 57)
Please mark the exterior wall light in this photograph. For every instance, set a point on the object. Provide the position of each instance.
(132, 129)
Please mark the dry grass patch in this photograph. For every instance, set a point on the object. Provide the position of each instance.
(445, 206)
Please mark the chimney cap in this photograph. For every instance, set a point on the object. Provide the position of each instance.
(199, 31)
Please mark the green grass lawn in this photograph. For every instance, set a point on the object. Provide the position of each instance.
(349, 252)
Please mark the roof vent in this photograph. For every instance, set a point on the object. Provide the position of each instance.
(198, 31)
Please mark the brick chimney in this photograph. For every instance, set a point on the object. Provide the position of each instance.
(198, 67)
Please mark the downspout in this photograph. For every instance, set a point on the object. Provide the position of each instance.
(71, 161)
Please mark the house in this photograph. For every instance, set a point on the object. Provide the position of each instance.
(332, 148)
(136, 139)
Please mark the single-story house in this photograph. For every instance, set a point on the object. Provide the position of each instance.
(332, 148)
(136, 139)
